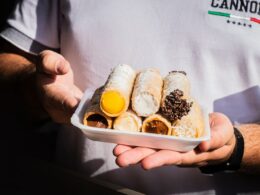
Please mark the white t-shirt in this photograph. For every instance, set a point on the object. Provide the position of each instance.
(219, 50)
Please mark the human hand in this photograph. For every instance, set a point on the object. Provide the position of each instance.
(218, 149)
(55, 84)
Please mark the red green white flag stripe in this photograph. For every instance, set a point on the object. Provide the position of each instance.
(223, 14)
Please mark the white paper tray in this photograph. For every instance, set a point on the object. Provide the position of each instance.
(135, 138)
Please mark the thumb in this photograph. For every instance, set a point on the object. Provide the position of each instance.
(204, 146)
(52, 63)
(221, 132)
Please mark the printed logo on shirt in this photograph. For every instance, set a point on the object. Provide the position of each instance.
(239, 12)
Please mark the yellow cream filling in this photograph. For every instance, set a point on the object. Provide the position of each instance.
(112, 102)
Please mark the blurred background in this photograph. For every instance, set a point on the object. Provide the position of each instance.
(27, 150)
(22, 149)
(5, 9)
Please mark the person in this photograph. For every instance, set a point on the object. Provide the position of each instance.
(71, 46)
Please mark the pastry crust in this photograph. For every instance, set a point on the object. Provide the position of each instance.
(128, 121)
(117, 90)
(176, 91)
(191, 125)
(156, 124)
(94, 117)
(147, 93)
(95, 99)
(176, 80)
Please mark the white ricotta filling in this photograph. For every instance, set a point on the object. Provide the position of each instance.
(145, 104)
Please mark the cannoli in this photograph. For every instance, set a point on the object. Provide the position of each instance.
(176, 91)
(116, 94)
(176, 80)
(191, 125)
(147, 92)
(94, 117)
(128, 121)
(156, 124)
(95, 99)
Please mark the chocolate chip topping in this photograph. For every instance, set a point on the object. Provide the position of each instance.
(174, 107)
(97, 120)
(182, 72)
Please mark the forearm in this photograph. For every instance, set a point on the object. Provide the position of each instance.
(14, 63)
(18, 78)
(251, 157)
(13, 67)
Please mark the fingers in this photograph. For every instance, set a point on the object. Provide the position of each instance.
(55, 86)
(151, 158)
(187, 159)
(217, 150)
(69, 103)
(168, 157)
(52, 63)
(119, 149)
(204, 146)
(222, 132)
(133, 156)
(71, 100)
(77, 93)
(162, 157)
(61, 112)
(60, 102)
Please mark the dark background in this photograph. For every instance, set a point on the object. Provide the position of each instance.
(19, 143)
(5, 8)
(27, 163)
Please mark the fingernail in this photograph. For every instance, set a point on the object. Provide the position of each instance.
(59, 67)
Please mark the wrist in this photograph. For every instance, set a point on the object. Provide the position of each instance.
(232, 163)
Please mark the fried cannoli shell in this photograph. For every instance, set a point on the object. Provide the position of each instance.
(97, 95)
(128, 121)
(156, 124)
(176, 80)
(147, 93)
(191, 125)
(117, 91)
(176, 91)
(94, 117)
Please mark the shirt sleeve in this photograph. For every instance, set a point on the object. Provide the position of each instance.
(34, 26)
